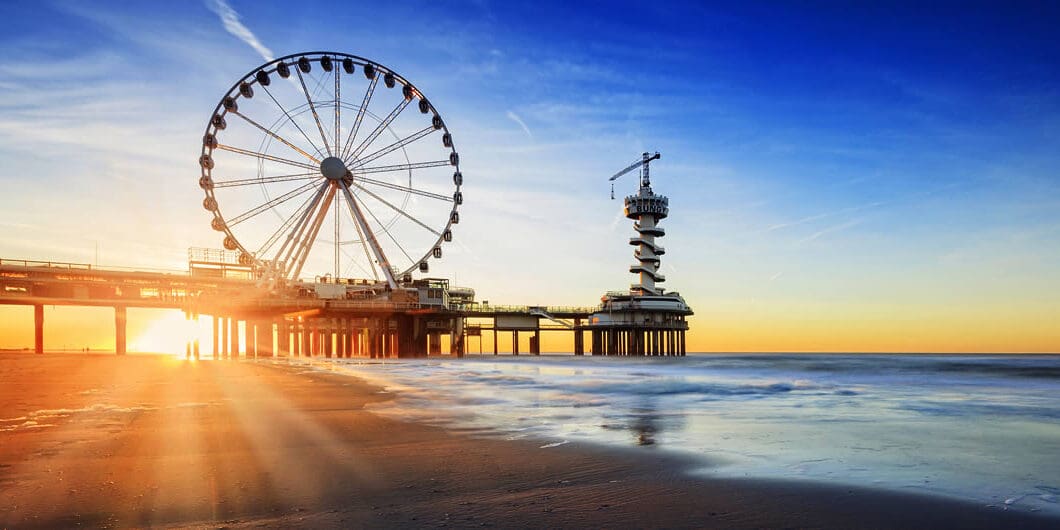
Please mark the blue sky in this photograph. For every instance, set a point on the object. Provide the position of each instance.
(829, 166)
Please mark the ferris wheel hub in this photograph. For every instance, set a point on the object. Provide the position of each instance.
(333, 168)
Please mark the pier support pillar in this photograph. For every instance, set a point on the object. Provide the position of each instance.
(216, 330)
(328, 340)
(119, 329)
(494, 337)
(535, 348)
(458, 346)
(255, 335)
(579, 338)
(268, 338)
(434, 343)
(233, 338)
(224, 338)
(38, 329)
(515, 342)
(283, 339)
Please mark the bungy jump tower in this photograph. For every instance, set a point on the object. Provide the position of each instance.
(646, 320)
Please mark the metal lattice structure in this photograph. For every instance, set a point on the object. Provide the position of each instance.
(313, 164)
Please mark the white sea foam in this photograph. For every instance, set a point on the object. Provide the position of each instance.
(30, 420)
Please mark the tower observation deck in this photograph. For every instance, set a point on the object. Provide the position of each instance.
(647, 320)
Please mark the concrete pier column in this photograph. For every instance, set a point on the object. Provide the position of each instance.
(327, 339)
(120, 320)
(314, 339)
(239, 343)
(216, 331)
(38, 329)
(283, 338)
(347, 332)
(224, 338)
(268, 338)
(515, 342)
(233, 338)
(255, 335)
(536, 348)
(579, 338)
(434, 343)
(370, 335)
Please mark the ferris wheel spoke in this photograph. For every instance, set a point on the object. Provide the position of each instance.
(378, 130)
(360, 116)
(338, 108)
(270, 204)
(399, 210)
(292, 122)
(354, 261)
(313, 109)
(402, 167)
(364, 240)
(396, 145)
(406, 189)
(276, 136)
(264, 156)
(387, 232)
(286, 226)
(265, 180)
(369, 236)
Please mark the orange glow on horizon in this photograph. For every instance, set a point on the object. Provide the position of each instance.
(729, 329)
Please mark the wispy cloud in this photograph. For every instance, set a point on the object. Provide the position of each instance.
(835, 228)
(230, 19)
(817, 217)
(515, 117)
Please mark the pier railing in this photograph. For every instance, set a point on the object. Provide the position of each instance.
(528, 309)
(51, 264)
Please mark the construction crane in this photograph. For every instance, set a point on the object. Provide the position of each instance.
(643, 164)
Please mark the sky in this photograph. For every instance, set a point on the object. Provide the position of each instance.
(841, 177)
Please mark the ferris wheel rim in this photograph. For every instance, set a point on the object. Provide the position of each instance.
(379, 70)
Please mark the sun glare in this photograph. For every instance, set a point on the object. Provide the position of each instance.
(169, 334)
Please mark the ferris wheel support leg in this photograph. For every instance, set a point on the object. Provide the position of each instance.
(358, 217)
(303, 250)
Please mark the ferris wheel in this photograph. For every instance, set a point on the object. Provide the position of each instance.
(312, 164)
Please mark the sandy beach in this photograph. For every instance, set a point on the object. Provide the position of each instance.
(107, 441)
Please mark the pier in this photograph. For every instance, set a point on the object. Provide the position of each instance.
(251, 321)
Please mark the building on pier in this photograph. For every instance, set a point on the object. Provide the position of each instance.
(646, 320)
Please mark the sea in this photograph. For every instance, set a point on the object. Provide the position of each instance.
(984, 429)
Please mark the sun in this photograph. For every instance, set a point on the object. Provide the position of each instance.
(169, 334)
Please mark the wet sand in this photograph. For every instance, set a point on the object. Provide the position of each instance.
(98, 440)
